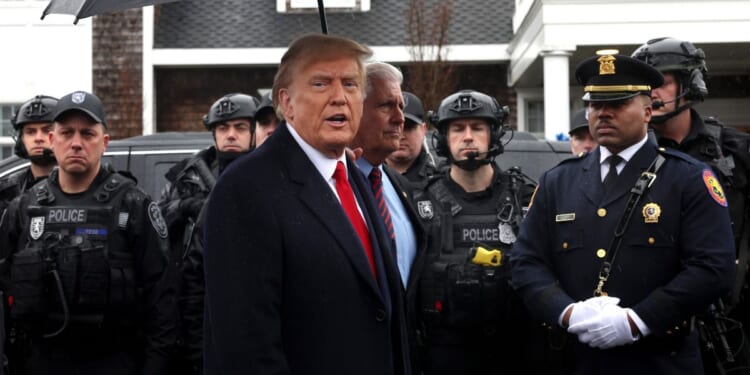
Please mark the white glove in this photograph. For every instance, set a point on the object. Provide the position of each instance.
(608, 329)
(589, 308)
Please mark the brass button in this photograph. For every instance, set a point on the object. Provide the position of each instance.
(651, 240)
(602, 212)
(565, 245)
(601, 253)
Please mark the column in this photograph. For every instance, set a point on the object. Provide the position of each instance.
(556, 93)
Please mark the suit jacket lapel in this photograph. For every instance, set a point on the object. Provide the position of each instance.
(318, 197)
(591, 181)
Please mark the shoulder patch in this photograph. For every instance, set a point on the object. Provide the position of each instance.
(157, 221)
(714, 188)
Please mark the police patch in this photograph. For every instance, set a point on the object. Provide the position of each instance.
(78, 97)
(36, 227)
(425, 209)
(714, 188)
(157, 221)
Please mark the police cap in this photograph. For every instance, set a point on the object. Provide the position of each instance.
(578, 122)
(413, 109)
(266, 104)
(616, 77)
(83, 102)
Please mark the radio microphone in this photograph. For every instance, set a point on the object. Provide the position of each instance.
(658, 103)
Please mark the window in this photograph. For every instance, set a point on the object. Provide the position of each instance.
(310, 6)
(535, 117)
(6, 130)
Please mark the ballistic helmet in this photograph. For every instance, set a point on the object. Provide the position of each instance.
(670, 55)
(469, 104)
(230, 107)
(39, 109)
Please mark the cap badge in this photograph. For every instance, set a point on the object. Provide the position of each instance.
(78, 97)
(606, 65)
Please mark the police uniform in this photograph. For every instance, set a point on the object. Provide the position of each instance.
(727, 151)
(471, 319)
(421, 170)
(14, 184)
(676, 253)
(470, 314)
(84, 277)
(189, 184)
(39, 109)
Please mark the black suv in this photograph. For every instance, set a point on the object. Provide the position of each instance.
(149, 157)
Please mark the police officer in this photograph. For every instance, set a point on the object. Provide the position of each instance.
(231, 119)
(83, 256)
(726, 150)
(413, 159)
(581, 140)
(469, 313)
(266, 119)
(31, 123)
(623, 245)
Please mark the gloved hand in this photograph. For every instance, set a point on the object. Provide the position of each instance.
(589, 308)
(606, 330)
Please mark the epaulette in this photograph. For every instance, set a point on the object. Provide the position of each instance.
(574, 159)
(666, 151)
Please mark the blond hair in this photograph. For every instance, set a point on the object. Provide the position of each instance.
(311, 48)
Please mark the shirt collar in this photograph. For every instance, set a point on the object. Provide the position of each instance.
(325, 165)
(625, 154)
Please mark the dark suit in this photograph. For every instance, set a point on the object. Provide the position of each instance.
(665, 271)
(405, 193)
(288, 285)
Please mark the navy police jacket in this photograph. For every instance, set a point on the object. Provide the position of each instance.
(676, 257)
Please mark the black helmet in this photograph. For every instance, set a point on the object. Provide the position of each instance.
(669, 55)
(469, 104)
(230, 107)
(39, 109)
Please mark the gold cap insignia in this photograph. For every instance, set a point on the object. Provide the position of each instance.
(606, 65)
(651, 212)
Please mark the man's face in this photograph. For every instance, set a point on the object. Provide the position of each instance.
(233, 135)
(324, 103)
(470, 135)
(265, 125)
(382, 121)
(666, 93)
(410, 144)
(35, 137)
(581, 141)
(619, 124)
(78, 143)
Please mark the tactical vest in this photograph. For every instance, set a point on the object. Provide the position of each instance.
(710, 151)
(466, 281)
(75, 264)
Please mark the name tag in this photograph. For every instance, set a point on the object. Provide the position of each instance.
(565, 217)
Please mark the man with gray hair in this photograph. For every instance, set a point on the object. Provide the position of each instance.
(378, 136)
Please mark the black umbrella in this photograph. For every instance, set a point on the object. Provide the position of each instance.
(88, 8)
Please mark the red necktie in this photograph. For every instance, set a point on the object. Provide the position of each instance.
(346, 195)
(376, 181)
